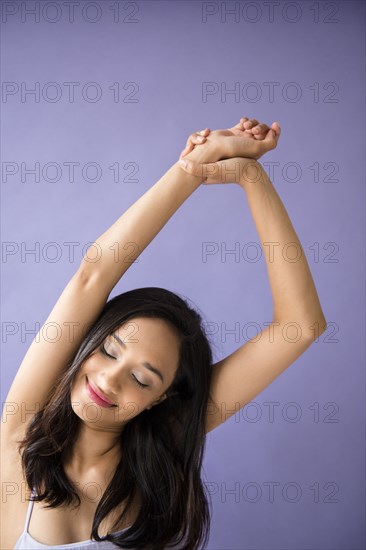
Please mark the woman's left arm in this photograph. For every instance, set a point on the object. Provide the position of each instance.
(295, 298)
(298, 318)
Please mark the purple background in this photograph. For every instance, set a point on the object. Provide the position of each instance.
(169, 51)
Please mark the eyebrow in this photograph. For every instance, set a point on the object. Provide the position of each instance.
(145, 363)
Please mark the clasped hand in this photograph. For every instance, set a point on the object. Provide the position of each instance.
(229, 155)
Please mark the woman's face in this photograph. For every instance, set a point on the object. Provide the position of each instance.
(132, 369)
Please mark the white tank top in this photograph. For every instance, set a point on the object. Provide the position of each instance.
(26, 542)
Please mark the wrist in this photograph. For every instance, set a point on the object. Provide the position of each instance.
(206, 153)
(252, 174)
(189, 179)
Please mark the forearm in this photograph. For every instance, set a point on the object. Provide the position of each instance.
(125, 240)
(293, 290)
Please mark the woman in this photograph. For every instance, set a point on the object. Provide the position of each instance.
(106, 424)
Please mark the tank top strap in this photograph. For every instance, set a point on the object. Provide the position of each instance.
(29, 511)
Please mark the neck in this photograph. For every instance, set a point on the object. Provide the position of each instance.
(94, 451)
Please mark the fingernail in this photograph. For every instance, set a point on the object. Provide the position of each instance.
(200, 138)
(183, 163)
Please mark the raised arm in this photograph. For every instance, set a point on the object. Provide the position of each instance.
(126, 239)
(85, 295)
(293, 290)
(295, 298)
(298, 318)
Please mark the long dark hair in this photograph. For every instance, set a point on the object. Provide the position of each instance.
(163, 465)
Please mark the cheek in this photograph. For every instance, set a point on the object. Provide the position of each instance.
(92, 364)
(92, 361)
(79, 381)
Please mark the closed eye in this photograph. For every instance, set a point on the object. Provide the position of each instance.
(139, 383)
(104, 351)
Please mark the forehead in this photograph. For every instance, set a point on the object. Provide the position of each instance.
(139, 329)
(155, 338)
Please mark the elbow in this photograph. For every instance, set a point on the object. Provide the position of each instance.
(84, 274)
(315, 326)
(322, 324)
(308, 327)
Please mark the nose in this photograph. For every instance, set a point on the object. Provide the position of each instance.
(110, 380)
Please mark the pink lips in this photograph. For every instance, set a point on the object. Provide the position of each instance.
(97, 396)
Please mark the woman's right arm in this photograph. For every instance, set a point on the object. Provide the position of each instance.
(127, 238)
(85, 295)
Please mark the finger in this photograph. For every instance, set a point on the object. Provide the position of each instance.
(272, 136)
(195, 139)
(187, 149)
(239, 126)
(276, 128)
(188, 142)
(203, 133)
(250, 123)
(260, 129)
(198, 137)
(274, 132)
(192, 141)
